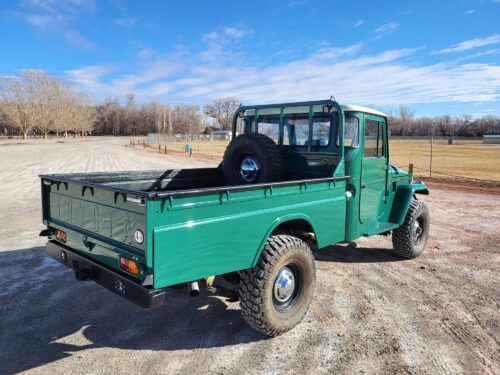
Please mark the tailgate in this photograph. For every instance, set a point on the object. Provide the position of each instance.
(100, 223)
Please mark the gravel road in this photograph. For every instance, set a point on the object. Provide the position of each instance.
(372, 312)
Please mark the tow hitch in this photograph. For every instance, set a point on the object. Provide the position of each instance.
(82, 274)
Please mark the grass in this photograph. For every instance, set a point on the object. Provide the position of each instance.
(464, 159)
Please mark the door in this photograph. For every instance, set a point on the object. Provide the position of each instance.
(373, 170)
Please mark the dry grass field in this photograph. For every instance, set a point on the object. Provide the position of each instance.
(463, 159)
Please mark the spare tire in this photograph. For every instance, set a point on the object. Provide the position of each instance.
(252, 159)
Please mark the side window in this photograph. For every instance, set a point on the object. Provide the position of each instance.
(374, 139)
(371, 132)
(297, 130)
(321, 130)
(351, 132)
(270, 126)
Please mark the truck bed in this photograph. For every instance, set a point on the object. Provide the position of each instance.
(193, 224)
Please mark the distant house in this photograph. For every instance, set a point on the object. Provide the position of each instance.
(222, 134)
(493, 139)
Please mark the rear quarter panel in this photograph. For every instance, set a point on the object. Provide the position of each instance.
(200, 236)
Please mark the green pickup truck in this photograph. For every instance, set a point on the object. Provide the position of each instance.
(298, 177)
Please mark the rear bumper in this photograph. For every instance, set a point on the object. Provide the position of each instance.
(86, 269)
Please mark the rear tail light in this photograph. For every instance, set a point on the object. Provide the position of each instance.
(61, 236)
(129, 266)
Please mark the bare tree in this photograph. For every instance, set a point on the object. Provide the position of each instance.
(83, 120)
(186, 119)
(406, 117)
(162, 117)
(18, 102)
(222, 110)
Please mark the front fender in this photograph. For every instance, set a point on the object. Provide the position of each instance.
(402, 200)
(275, 224)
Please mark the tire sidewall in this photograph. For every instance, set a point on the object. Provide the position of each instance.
(258, 146)
(293, 314)
(237, 157)
(421, 212)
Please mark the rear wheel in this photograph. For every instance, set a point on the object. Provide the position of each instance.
(276, 293)
(410, 238)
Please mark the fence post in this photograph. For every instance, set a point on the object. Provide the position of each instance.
(190, 152)
(430, 160)
(159, 149)
(410, 169)
(165, 149)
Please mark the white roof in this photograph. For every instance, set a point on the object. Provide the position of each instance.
(358, 108)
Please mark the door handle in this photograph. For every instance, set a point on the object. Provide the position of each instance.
(363, 186)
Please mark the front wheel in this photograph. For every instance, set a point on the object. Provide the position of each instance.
(410, 238)
(276, 293)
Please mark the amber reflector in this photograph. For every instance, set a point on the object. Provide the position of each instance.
(129, 266)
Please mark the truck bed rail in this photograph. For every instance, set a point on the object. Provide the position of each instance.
(109, 184)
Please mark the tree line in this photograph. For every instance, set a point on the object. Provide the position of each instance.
(405, 123)
(34, 101)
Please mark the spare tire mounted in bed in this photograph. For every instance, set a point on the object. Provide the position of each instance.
(252, 159)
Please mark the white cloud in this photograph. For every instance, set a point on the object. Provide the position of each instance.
(471, 44)
(41, 21)
(225, 35)
(391, 77)
(147, 53)
(78, 39)
(57, 16)
(385, 29)
(470, 11)
(127, 22)
(233, 32)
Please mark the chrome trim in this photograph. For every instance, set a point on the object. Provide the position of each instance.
(284, 285)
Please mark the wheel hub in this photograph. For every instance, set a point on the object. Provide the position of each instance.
(284, 285)
(417, 231)
(249, 169)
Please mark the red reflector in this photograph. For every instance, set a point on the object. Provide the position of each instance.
(60, 235)
(129, 266)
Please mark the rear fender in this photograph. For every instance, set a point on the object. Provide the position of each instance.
(275, 224)
(402, 200)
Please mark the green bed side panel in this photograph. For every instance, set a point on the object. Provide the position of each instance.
(196, 237)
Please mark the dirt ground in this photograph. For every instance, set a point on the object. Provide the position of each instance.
(372, 312)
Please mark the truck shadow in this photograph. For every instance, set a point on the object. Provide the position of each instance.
(352, 253)
(47, 315)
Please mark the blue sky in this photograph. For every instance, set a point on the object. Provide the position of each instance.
(436, 56)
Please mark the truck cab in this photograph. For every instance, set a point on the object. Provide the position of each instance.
(324, 139)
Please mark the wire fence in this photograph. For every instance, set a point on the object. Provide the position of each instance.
(458, 158)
